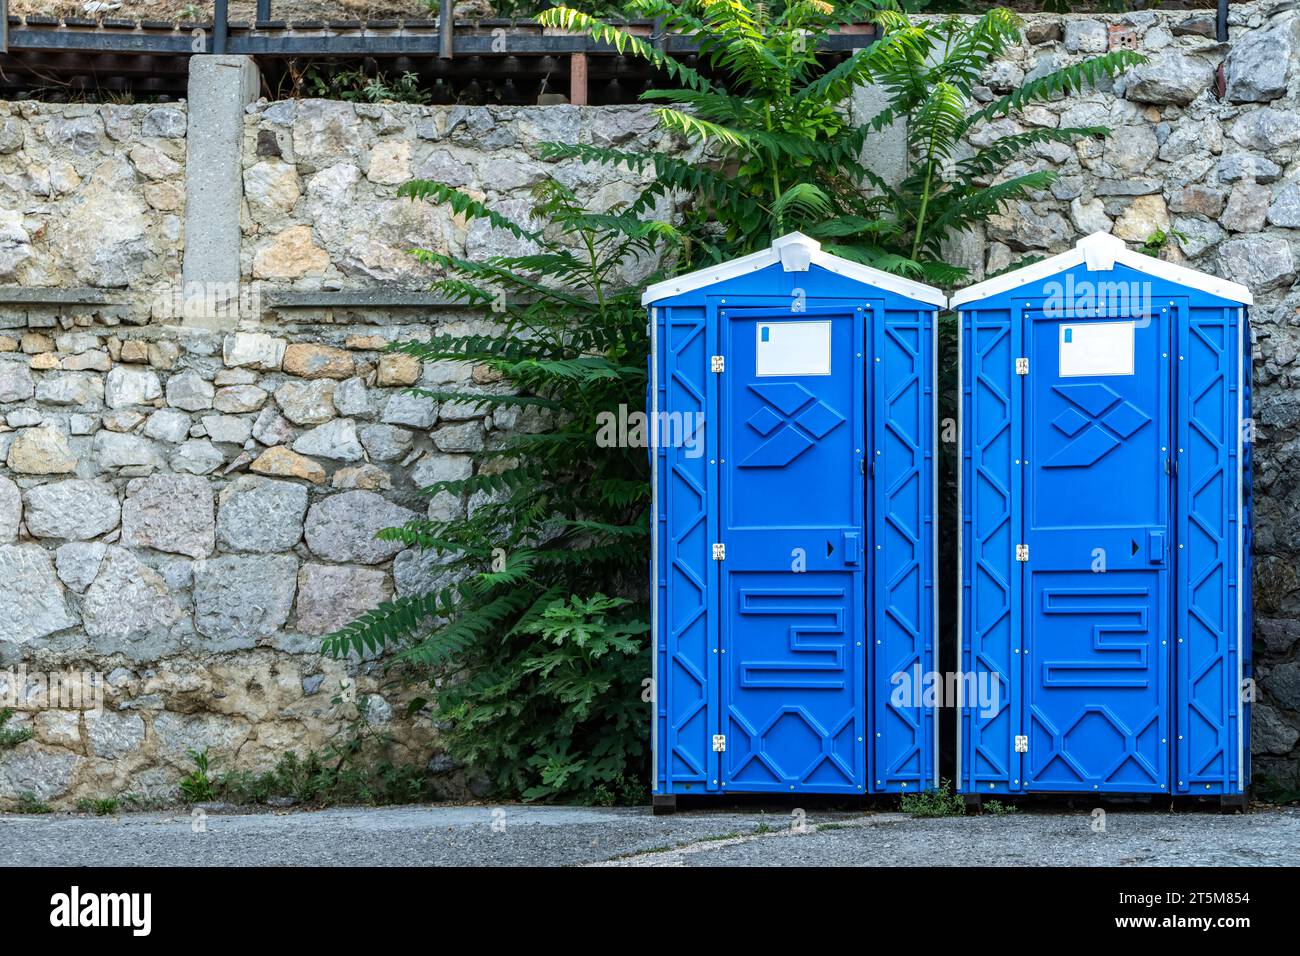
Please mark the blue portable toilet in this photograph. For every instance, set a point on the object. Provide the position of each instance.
(793, 542)
(1105, 528)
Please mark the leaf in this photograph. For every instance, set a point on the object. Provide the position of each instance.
(531, 634)
(570, 20)
(462, 205)
(693, 128)
(801, 201)
(1078, 76)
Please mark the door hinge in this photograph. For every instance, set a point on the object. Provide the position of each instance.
(1022, 552)
(1022, 366)
(718, 363)
(719, 552)
(1022, 744)
(719, 743)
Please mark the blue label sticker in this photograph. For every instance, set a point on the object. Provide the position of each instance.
(764, 333)
(1069, 335)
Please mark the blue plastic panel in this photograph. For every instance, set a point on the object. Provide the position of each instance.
(991, 611)
(687, 663)
(790, 515)
(903, 627)
(1208, 697)
(794, 667)
(1127, 680)
(1247, 629)
(1097, 482)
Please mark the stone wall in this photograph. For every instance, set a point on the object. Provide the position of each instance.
(185, 510)
(321, 180)
(90, 195)
(1219, 175)
(186, 506)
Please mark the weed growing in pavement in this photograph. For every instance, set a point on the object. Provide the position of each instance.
(940, 801)
(104, 807)
(28, 803)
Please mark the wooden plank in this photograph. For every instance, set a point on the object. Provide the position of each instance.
(578, 79)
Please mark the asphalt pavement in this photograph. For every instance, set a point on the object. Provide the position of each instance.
(513, 835)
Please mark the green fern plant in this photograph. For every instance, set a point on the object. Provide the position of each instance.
(361, 87)
(554, 516)
(778, 143)
(196, 786)
(953, 185)
(773, 119)
(100, 807)
(576, 690)
(940, 801)
(28, 802)
(11, 737)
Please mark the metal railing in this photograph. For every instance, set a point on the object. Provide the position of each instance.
(153, 51)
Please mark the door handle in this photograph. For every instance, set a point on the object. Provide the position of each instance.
(1155, 547)
(849, 547)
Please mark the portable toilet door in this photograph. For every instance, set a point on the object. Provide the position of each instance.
(792, 405)
(1104, 528)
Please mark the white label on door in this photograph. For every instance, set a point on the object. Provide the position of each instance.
(1096, 348)
(793, 348)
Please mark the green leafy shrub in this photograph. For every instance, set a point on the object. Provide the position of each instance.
(567, 708)
(99, 807)
(537, 674)
(358, 86)
(938, 801)
(28, 802)
(357, 769)
(196, 786)
(557, 517)
(1276, 790)
(10, 736)
(783, 152)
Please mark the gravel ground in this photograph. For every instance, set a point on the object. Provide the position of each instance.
(548, 836)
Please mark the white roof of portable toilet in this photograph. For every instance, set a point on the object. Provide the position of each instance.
(1100, 252)
(796, 252)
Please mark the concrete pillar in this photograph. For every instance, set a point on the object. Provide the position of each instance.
(885, 152)
(219, 89)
